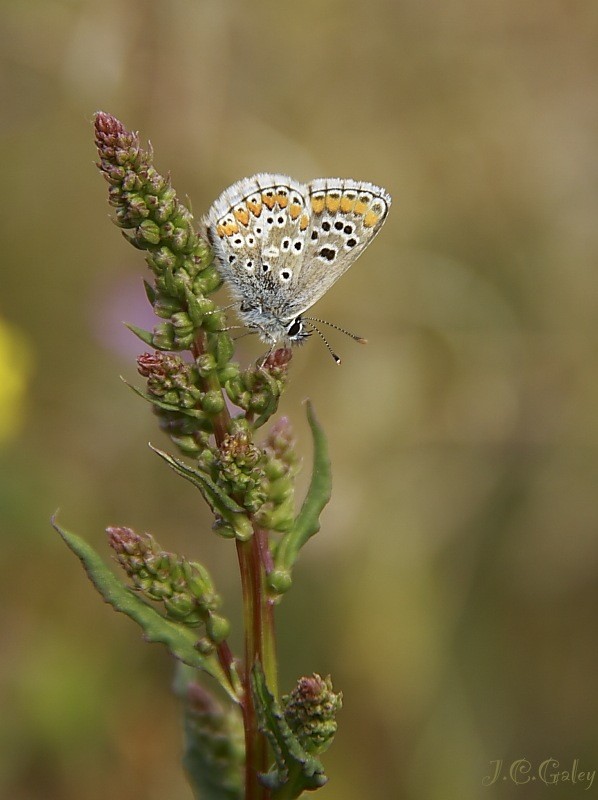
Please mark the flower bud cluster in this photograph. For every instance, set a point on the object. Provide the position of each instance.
(239, 468)
(184, 409)
(280, 466)
(170, 379)
(257, 390)
(310, 711)
(181, 260)
(184, 587)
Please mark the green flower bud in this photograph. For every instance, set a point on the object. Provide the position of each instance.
(165, 206)
(163, 336)
(281, 489)
(310, 711)
(205, 646)
(258, 401)
(240, 426)
(217, 628)
(138, 210)
(280, 580)
(182, 608)
(198, 307)
(230, 372)
(223, 348)
(149, 232)
(206, 364)
(179, 239)
(212, 402)
(214, 323)
(182, 323)
(234, 389)
(162, 259)
(165, 307)
(207, 281)
(277, 517)
(242, 527)
(223, 528)
(275, 468)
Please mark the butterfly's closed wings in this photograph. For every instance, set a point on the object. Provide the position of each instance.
(281, 244)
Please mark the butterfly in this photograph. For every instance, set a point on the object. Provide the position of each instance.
(280, 245)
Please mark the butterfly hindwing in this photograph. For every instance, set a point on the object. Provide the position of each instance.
(346, 215)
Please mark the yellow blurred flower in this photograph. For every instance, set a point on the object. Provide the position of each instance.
(15, 369)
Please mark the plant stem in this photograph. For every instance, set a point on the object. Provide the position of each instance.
(254, 562)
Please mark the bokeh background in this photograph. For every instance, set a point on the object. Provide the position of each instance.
(452, 592)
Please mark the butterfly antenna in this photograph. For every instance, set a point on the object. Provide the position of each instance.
(325, 340)
(354, 336)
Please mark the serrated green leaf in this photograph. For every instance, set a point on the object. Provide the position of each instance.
(295, 771)
(307, 522)
(177, 638)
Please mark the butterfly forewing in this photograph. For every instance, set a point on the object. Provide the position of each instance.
(258, 228)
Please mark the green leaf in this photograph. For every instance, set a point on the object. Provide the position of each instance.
(177, 638)
(150, 292)
(307, 522)
(294, 771)
(214, 743)
(147, 337)
(220, 503)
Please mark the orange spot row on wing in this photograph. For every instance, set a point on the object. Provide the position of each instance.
(333, 203)
(227, 229)
(269, 200)
(242, 215)
(254, 207)
(318, 203)
(370, 219)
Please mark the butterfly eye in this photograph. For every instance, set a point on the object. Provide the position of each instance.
(295, 328)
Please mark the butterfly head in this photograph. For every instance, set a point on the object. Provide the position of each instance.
(297, 331)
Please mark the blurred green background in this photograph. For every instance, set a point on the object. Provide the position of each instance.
(453, 589)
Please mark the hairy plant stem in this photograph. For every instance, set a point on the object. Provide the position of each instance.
(254, 562)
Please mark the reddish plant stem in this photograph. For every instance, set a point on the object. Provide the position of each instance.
(254, 562)
(225, 658)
